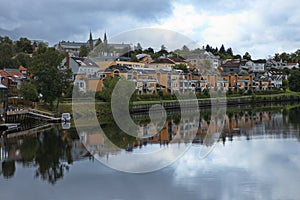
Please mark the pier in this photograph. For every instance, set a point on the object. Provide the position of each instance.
(28, 115)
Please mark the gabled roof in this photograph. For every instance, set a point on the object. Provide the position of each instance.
(163, 61)
(84, 62)
(17, 75)
(122, 69)
(4, 74)
(231, 65)
(175, 59)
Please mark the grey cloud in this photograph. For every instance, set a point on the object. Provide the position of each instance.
(61, 19)
(218, 6)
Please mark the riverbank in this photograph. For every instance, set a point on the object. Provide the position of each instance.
(104, 108)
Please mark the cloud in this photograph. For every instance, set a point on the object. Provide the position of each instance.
(260, 27)
(71, 19)
(154, 38)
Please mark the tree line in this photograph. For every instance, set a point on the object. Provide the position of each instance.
(48, 78)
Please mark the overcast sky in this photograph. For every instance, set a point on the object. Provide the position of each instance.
(260, 27)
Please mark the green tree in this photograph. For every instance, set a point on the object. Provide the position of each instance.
(47, 76)
(138, 47)
(208, 48)
(22, 59)
(285, 84)
(222, 50)
(163, 48)
(237, 57)
(185, 48)
(24, 45)
(285, 56)
(277, 57)
(229, 52)
(182, 67)
(84, 51)
(109, 84)
(6, 53)
(28, 91)
(294, 82)
(247, 56)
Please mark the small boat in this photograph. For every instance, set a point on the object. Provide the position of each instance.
(65, 117)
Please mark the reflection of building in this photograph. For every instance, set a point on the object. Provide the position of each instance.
(170, 133)
(3, 99)
(204, 132)
(97, 143)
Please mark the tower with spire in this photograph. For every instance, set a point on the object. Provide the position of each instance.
(91, 42)
(105, 39)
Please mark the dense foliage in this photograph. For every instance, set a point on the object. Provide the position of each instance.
(294, 81)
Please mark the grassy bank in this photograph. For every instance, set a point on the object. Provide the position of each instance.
(103, 108)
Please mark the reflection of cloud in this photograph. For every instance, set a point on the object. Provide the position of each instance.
(159, 157)
(269, 166)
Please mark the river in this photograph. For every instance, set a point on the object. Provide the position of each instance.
(255, 156)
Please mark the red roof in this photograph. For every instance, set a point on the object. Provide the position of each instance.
(22, 68)
(16, 74)
(4, 73)
(292, 63)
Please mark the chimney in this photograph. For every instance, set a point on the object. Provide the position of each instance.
(67, 61)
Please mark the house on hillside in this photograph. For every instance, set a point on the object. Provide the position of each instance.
(79, 65)
(203, 60)
(166, 63)
(231, 66)
(145, 80)
(9, 82)
(276, 77)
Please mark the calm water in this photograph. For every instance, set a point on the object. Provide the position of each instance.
(257, 156)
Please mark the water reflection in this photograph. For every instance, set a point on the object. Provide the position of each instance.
(52, 152)
(245, 123)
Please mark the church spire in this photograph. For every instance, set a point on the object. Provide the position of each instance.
(91, 37)
(91, 42)
(105, 38)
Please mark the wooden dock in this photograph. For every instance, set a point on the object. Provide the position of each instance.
(30, 114)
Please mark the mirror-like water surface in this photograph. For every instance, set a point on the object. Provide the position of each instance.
(256, 156)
